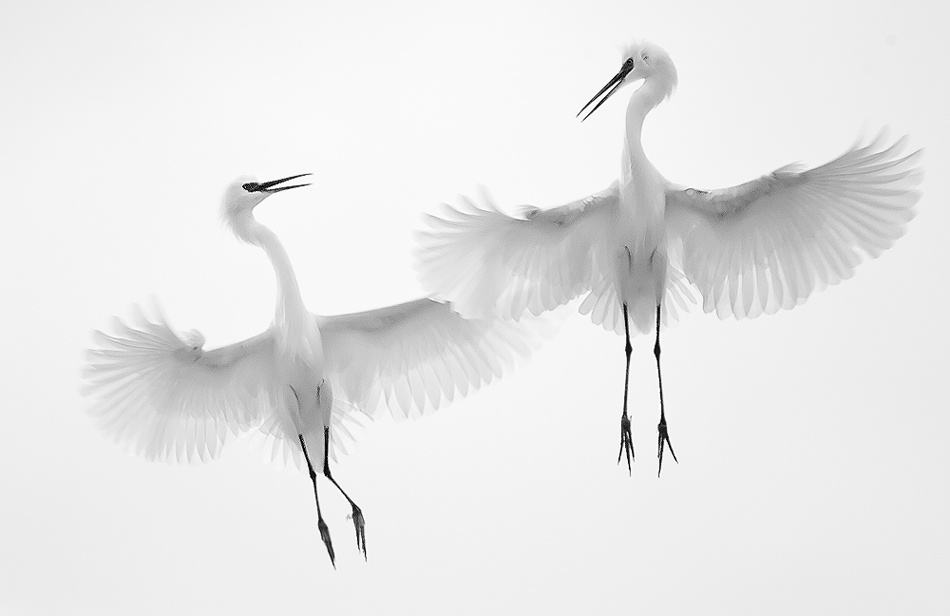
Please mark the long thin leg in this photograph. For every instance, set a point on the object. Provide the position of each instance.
(663, 437)
(626, 437)
(358, 520)
(324, 531)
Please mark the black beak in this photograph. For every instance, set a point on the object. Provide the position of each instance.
(616, 81)
(269, 187)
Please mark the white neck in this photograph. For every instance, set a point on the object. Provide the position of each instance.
(648, 96)
(290, 308)
(640, 183)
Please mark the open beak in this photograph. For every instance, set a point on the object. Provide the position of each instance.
(271, 187)
(615, 82)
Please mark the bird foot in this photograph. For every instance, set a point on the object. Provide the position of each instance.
(626, 442)
(663, 439)
(325, 535)
(360, 524)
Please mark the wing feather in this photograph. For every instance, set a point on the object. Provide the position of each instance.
(420, 355)
(488, 263)
(166, 398)
(770, 243)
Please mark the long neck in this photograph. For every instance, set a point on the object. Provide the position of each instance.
(290, 308)
(640, 188)
(648, 96)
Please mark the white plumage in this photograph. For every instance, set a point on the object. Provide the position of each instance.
(303, 383)
(749, 249)
(170, 400)
(644, 245)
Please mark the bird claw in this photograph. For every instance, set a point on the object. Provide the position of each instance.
(325, 535)
(360, 524)
(626, 442)
(663, 439)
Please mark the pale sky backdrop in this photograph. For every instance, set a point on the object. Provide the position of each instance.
(813, 444)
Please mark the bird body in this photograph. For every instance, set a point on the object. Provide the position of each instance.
(641, 265)
(641, 247)
(305, 399)
(302, 383)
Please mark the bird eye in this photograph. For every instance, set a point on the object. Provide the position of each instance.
(645, 57)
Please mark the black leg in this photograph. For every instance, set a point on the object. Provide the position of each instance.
(324, 531)
(663, 437)
(358, 520)
(626, 437)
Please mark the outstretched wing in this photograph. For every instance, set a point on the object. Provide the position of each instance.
(489, 263)
(768, 244)
(416, 356)
(167, 398)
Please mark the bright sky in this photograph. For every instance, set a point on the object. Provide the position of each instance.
(813, 474)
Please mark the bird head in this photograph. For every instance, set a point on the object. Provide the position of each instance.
(640, 60)
(244, 194)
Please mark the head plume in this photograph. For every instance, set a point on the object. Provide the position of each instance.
(651, 60)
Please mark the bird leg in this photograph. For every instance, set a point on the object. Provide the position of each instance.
(663, 437)
(324, 531)
(626, 437)
(358, 520)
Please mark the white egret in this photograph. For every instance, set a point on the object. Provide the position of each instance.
(298, 382)
(637, 247)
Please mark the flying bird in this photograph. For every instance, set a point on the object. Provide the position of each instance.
(301, 382)
(639, 248)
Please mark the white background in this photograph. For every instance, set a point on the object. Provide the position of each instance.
(813, 474)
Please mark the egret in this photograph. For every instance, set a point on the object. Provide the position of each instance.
(300, 381)
(639, 247)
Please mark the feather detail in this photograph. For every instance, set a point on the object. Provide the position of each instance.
(168, 399)
(771, 243)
